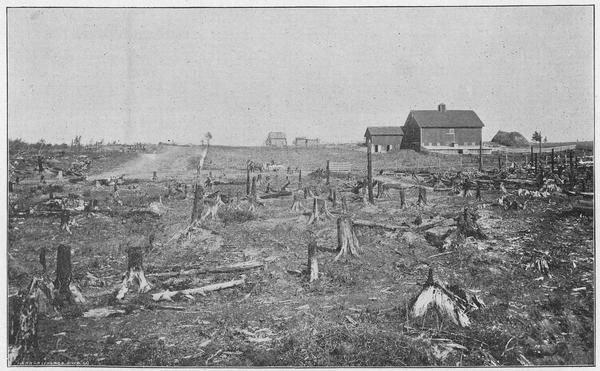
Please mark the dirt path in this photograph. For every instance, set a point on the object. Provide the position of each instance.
(170, 161)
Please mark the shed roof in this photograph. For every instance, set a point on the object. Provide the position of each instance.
(447, 119)
(384, 130)
(276, 135)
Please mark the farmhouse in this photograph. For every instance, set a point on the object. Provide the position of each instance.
(445, 131)
(306, 142)
(276, 139)
(384, 138)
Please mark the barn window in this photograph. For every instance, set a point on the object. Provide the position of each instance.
(450, 131)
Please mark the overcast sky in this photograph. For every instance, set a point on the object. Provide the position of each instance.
(156, 74)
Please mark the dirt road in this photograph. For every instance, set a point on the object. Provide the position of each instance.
(168, 161)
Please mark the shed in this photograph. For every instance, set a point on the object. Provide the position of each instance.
(385, 138)
(441, 130)
(276, 139)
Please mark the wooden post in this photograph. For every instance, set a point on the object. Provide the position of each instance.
(344, 204)
(571, 168)
(247, 179)
(499, 163)
(478, 192)
(154, 176)
(63, 272)
(402, 198)
(313, 264)
(198, 193)
(480, 153)
(552, 161)
(43, 258)
(535, 155)
(327, 173)
(300, 179)
(369, 172)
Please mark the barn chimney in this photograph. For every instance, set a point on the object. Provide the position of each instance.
(442, 107)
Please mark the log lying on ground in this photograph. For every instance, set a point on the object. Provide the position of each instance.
(237, 267)
(275, 195)
(347, 240)
(169, 295)
(370, 224)
(135, 272)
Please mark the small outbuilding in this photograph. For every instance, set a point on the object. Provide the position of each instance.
(306, 142)
(276, 139)
(384, 138)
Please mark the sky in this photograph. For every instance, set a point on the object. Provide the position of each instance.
(150, 75)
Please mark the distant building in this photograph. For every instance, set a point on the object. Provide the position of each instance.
(276, 139)
(385, 138)
(306, 142)
(444, 131)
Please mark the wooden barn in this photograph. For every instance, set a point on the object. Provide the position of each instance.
(276, 139)
(385, 138)
(444, 131)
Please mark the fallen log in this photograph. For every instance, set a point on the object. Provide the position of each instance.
(237, 267)
(168, 295)
(275, 195)
(370, 224)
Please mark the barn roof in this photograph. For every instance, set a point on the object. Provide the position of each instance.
(384, 130)
(447, 119)
(276, 135)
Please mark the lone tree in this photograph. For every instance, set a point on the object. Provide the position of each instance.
(208, 137)
(537, 137)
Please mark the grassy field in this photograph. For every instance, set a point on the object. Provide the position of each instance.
(356, 314)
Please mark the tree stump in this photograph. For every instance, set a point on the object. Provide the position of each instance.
(154, 177)
(297, 203)
(333, 196)
(347, 240)
(63, 274)
(23, 326)
(478, 192)
(43, 258)
(402, 198)
(344, 204)
(197, 206)
(65, 220)
(300, 179)
(135, 272)
(319, 211)
(422, 200)
(268, 189)
(213, 207)
(287, 183)
(313, 264)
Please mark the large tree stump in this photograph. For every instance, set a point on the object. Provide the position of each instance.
(197, 206)
(135, 272)
(297, 203)
(212, 207)
(319, 211)
(344, 204)
(65, 221)
(43, 258)
(347, 240)
(402, 198)
(478, 192)
(422, 200)
(313, 264)
(154, 176)
(287, 183)
(23, 325)
(333, 196)
(64, 274)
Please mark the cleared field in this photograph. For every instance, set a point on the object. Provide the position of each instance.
(356, 314)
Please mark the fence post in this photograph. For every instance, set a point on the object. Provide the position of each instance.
(480, 158)
(369, 171)
(552, 161)
(327, 172)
